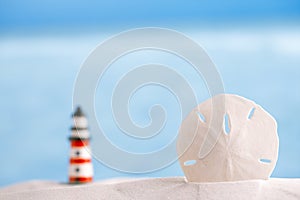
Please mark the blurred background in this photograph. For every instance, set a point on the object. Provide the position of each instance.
(254, 44)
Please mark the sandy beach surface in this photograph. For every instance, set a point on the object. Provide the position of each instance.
(156, 188)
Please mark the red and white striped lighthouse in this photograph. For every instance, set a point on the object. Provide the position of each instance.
(81, 168)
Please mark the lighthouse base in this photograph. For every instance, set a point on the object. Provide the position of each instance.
(78, 180)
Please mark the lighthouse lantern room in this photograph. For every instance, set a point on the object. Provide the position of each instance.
(81, 169)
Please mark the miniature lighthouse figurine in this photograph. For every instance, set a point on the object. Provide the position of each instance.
(81, 169)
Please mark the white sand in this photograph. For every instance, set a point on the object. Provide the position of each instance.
(156, 188)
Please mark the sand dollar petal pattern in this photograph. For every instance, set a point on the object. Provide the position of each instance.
(246, 145)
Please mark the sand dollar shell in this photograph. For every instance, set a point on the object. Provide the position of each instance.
(242, 137)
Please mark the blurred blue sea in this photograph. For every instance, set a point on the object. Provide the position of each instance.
(38, 74)
(40, 56)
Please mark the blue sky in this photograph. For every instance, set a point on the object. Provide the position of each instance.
(48, 13)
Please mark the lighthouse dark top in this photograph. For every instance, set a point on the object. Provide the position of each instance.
(80, 124)
(78, 113)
